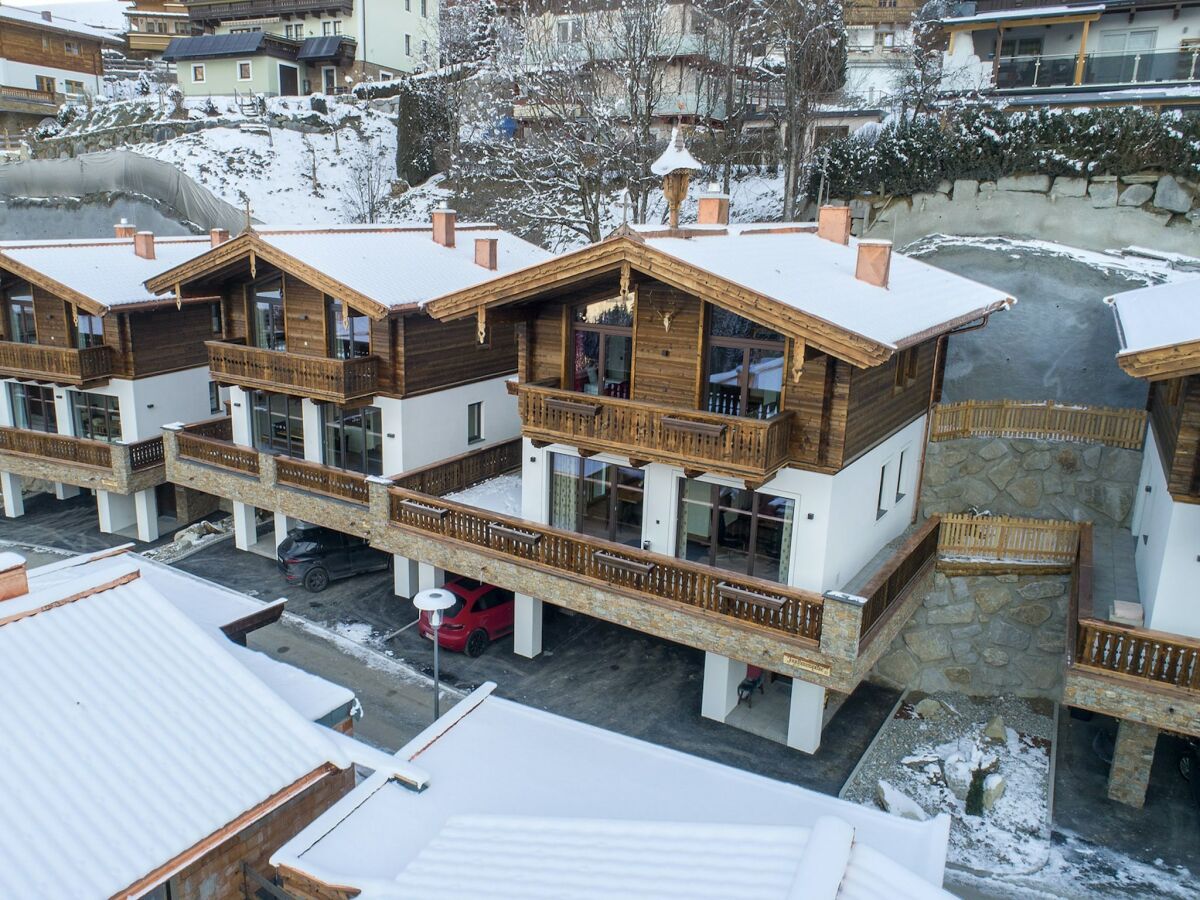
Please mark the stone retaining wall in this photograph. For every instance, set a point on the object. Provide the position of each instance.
(1023, 477)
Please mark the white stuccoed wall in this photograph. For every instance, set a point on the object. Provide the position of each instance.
(433, 426)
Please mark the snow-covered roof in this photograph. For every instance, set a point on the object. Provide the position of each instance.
(675, 157)
(129, 737)
(68, 25)
(107, 272)
(1036, 12)
(817, 276)
(653, 822)
(1159, 316)
(109, 15)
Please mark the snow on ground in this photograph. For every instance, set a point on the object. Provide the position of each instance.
(501, 494)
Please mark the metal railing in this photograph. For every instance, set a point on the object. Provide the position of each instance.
(1099, 68)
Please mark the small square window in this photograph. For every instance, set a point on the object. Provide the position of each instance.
(474, 423)
(244, 70)
(198, 74)
(71, 48)
(214, 397)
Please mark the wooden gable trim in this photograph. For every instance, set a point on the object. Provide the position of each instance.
(61, 291)
(1162, 362)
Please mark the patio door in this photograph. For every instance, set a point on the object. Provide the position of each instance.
(289, 81)
(329, 80)
(596, 498)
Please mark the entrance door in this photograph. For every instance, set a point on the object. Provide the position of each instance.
(289, 81)
(329, 79)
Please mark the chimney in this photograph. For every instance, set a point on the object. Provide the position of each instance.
(218, 236)
(874, 261)
(123, 229)
(443, 225)
(143, 244)
(485, 253)
(13, 581)
(833, 224)
(714, 207)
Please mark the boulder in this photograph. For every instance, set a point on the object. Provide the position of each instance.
(930, 708)
(1042, 590)
(992, 599)
(1003, 472)
(965, 189)
(898, 667)
(958, 675)
(1069, 187)
(953, 614)
(1135, 195)
(1036, 183)
(944, 186)
(993, 449)
(893, 800)
(1026, 491)
(994, 656)
(1170, 194)
(993, 789)
(1103, 195)
(929, 646)
(1030, 613)
(957, 772)
(995, 731)
(1005, 634)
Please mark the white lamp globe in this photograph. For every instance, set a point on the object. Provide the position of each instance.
(433, 601)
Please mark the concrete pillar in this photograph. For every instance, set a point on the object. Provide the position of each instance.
(242, 415)
(283, 525)
(721, 679)
(406, 576)
(429, 576)
(1133, 756)
(527, 626)
(245, 533)
(116, 511)
(313, 449)
(805, 714)
(145, 504)
(659, 508)
(65, 491)
(14, 501)
(535, 483)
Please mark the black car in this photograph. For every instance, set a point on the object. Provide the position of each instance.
(314, 556)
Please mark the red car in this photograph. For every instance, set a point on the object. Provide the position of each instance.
(481, 613)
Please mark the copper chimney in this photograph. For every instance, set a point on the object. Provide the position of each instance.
(443, 225)
(833, 224)
(874, 262)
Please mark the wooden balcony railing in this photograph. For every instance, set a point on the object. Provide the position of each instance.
(146, 454)
(612, 566)
(1008, 538)
(224, 9)
(742, 447)
(308, 476)
(890, 585)
(220, 428)
(210, 443)
(1047, 421)
(57, 447)
(63, 365)
(28, 95)
(316, 377)
(461, 472)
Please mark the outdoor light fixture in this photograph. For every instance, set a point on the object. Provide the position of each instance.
(434, 601)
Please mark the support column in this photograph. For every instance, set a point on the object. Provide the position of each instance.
(406, 576)
(722, 676)
(245, 532)
(313, 449)
(14, 501)
(116, 511)
(283, 524)
(145, 505)
(242, 416)
(805, 714)
(429, 576)
(1133, 756)
(527, 626)
(65, 491)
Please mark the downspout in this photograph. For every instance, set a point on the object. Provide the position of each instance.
(937, 355)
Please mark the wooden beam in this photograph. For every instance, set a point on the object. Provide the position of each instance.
(1162, 362)
(1079, 61)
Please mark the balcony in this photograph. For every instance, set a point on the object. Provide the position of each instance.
(60, 365)
(315, 377)
(748, 448)
(240, 9)
(120, 468)
(1148, 67)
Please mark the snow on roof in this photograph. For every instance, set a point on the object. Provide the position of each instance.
(817, 277)
(570, 777)
(129, 737)
(107, 271)
(675, 157)
(1163, 315)
(67, 25)
(403, 266)
(501, 494)
(1038, 12)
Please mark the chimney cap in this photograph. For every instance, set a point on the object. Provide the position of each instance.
(676, 158)
(10, 561)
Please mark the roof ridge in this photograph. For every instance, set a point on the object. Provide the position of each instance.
(71, 598)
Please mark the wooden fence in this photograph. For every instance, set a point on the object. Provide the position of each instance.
(57, 447)
(890, 584)
(146, 454)
(1047, 421)
(214, 452)
(309, 476)
(1008, 538)
(461, 472)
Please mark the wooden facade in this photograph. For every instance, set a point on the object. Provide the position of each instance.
(1174, 408)
(37, 45)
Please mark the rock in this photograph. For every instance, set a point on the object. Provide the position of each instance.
(1069, 187)
(1113, 500)
(893, 800)
(1121, 465)
(957, 772)
(964, 652)
(1042, 674)
(1004, 634)
(1051, 640)
(930, 708)
(959, 675)
(1026, 491)
(1037, 183)
(1038, 460)
(987, 187)
(937, 473)
(992, 599)
(993, 790)
(993, 450)
(994, 731)
(1142, 178)
(954, 614)
(1030, 613)
(929, 646)
(1103, 196)
(951, 457)
(1042, 590)
(899, 666)
(1135, 195)
(977, 493)
(965, 189)
(993, 656)
(966, 632)
(1052, 483)
(1170, 194)
(1091, 456)
(1003, 472)
(944, 186)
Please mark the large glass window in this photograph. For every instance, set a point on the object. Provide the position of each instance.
(596, 498)
(745, 366)
(735, 529)
(349, 331)
(97, 416)
(602, 335)
(33, 407)
(352, 439)
(278, 423)
(18, 310)
(89, 331)
(267, 312)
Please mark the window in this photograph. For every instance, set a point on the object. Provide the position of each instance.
(602, 335)
(474, 422)
(885, 39)
(331, 27)
(244, 70)
(408, 5)
(18, 307)
(89, 331)
(891, 483)
(97, 416)
(745, 366)
(33, 407)
(278, 423)
(735, 529)
(73, 87)
(267, 312)
(408, 45)
(214, 397)
(887, 4)
(385, 76)
(349, 331)
(182, 28)
(1021, 47)
(45, 83)
(71, 48)
(596, 498)
(198, 73)
(424, 8)
(570, 31)
(352, 438)
(216, 318)
(295, 32)
(906, 368)
(46, 43)
(900, 476)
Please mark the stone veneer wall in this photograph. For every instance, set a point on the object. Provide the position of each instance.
(1035, 478)
(983, 634)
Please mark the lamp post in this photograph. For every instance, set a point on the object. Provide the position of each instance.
(434, 601)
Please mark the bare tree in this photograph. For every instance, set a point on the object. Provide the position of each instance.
(369, 185)
(919, 77)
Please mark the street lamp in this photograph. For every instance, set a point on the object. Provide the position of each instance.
(433, 601)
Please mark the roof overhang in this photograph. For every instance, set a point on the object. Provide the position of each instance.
(36, 278)
(1062, 15)
(1159, 363)
(249, 245)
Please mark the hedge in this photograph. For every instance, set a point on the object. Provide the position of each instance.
(904, 157)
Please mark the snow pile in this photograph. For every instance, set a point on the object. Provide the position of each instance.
(188, 540)
(501, 495)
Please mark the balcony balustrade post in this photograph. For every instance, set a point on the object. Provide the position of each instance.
(379, 510)
(841, 624)
(268, 475)
(122, 466)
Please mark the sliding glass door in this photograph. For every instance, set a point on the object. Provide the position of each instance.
(596, 498)
(735, 529)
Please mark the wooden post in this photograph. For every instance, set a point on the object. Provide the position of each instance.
(996, 54)
(1079, 60)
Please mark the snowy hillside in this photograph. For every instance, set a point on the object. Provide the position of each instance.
(106, 14)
